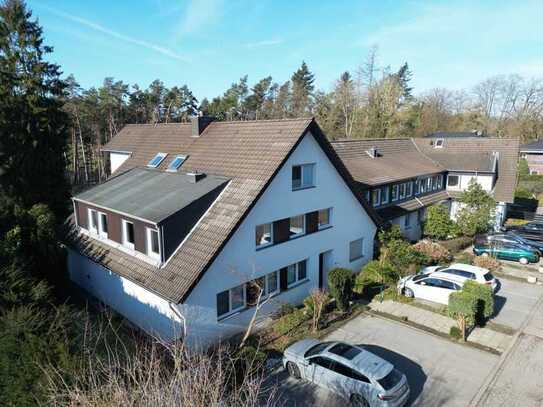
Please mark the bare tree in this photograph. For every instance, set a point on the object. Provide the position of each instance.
(316, 303)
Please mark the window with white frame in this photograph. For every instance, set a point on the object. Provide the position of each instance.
(296, 272)
(384, 194)
(176, 163)
(128, 234)
(102, 224)
(376, 197)
(153, 244)
(93, 220)
(395, 192)
(409, 189)
(296, 226)
(264, 234)
(325, 216)
(407, 220)
(231, 301)
(402, 191)
(428, 184)
(156, 160)
(303, 176)
(267, 285)
(356, 249)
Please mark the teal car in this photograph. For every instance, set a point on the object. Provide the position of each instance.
(507, 251)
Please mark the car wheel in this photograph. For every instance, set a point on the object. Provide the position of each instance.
(523, 260)
(408, 292)
(358, 401)
(293, 370)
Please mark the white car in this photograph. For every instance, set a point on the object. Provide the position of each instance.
(433, 286)
(466, 271)
(351, 371)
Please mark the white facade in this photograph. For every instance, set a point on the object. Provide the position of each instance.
(485, 180)
(240, 261)
(410, 225)
(116, 159)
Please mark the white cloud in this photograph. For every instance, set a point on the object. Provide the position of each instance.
(264, 43)
(114, 34)
(199, 14)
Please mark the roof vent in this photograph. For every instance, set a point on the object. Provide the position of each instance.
(199, 124)
(195, 176)
(372, 152)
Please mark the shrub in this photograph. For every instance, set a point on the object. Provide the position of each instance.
(315, 304)
(340, 281)
(433, 251)
(465, 258)
(487, 262)
(523, 193)
(457, 244)
(289, 322)
(376, 271)
(248, 361)
(483, 299)
(285, 309)
(455, 333)
(462, 308)
(438, 224)
(477, 210)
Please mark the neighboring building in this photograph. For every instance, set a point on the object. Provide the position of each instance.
(194, 212)
(533, 153)
(402, 177)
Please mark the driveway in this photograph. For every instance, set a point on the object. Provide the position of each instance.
(440, 373)
(514, 301)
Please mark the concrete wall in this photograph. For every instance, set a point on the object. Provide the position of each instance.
(116, 160)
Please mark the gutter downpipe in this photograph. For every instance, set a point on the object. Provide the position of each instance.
(181, 317)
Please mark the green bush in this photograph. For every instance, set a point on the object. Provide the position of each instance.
(462, 308)
(523, 168)
(483, 298)
(523, 193)
(340, 281)
(289, 322)
(457, 244)
(455, 333)
(376, 271)
(438, 223)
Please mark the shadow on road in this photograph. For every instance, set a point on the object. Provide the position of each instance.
(414, 372)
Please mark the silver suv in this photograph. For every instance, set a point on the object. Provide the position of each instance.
(354, 373)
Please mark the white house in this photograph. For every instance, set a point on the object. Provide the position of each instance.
(194, 213)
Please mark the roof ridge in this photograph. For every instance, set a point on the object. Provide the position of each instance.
(347, 140)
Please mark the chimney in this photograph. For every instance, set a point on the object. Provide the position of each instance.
(195, 176)
(199, 123)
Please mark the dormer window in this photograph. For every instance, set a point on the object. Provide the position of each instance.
(438, 143)
(128, 234)
(153, 244)
(157, 159)
(176, 163)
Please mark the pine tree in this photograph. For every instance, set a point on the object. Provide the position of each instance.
(302, 90)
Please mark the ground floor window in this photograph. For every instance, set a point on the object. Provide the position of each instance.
(296, 272)
(356, 249)
(230, 301)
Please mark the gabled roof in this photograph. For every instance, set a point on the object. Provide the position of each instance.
(149, 194)
(396, 159)
(536, 146)
(248, 153)
(454, 134)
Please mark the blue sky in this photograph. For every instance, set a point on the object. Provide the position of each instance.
(208, 44)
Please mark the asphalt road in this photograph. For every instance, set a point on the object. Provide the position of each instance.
(513, 302)
(440, 373)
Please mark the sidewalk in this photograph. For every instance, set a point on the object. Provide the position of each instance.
(482, 336)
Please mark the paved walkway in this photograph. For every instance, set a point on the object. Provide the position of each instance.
(483, 336)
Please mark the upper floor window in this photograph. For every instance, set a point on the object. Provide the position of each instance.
(303, 176)
(402, 190)
(376, 197)
(384, 194)
(452, 180)
(97, 222)
(324, 218)
(176, 163)
(156, 160)
(395, 192)
(153, 244)
(297, 226)
(367, 193)
(128, 234)
(264, 235)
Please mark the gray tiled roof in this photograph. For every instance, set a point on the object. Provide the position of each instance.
(248, 153)
(535, 146)
(150, 194)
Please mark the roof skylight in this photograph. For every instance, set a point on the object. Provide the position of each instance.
(156, 160)
(176, 163)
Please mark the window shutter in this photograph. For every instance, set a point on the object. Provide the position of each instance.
(283, 279)
(281, 230)
(312, 222)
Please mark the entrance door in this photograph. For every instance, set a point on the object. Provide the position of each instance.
(325, 264)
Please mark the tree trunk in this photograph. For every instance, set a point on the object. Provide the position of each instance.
(82, 148)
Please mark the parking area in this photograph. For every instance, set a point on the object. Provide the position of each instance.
(440, 372)
(514, 300)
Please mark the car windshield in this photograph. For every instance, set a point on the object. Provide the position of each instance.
(318, 348)
(489, 277)
(390, 380)
(420, 276)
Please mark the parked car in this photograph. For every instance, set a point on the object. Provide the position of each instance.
(351, 371)
(466, 272)
(507, 251)
(433, 286)
(510, 237)
(531, 230)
